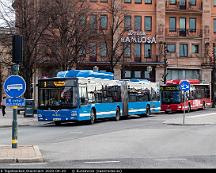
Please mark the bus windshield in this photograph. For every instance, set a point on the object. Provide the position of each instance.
(58, 98)
(169, 97)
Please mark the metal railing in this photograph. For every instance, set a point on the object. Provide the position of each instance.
(187, 6)
(192, 33)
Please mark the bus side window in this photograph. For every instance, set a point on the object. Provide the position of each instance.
(83, 95)
(191, 95)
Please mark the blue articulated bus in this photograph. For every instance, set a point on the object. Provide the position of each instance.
(86, 95)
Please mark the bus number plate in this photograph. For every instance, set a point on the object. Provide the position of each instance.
(56, 119)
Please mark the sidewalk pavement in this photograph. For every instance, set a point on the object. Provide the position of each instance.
(6, 121)
(23, 153)
(206, 118)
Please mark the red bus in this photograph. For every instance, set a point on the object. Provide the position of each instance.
(172, 100)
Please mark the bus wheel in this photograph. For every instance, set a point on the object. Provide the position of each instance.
(57, 123)
(117, 118)
(92, 116)
(148, 111)
(189, 108)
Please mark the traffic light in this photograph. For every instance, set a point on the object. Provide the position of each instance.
(17, 49)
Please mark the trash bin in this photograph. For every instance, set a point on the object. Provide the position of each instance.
(29, 108)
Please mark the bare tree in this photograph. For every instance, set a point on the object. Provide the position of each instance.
(115, 31)
(32, 20)
(6, 31)
(67, 37)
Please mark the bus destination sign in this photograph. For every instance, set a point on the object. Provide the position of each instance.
(169, 88)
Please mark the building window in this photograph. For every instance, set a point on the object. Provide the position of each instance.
(215, 25)
(82, 21)
(92, 51)
(137, 74)
(103, 50)
(148, 23)
(127, 50)
(172, 24)
(93, 22)
(192, 24)
(214, 1)
(127, 1)
(183, 50)
(103, 22)
(182, 26)
(148, 1)
(127, 23)
(171, 48)
(137, 50)
(179, 74)
(82, 52)
(147, 50)
(103, 0)
(138, 23)
(172, 2)
(138, 1)
(195, 48)
(128, 74)
(93, 0)
(192, 2)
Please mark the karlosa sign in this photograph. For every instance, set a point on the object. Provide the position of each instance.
(138, 37)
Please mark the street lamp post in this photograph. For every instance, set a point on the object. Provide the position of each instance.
(165, 51)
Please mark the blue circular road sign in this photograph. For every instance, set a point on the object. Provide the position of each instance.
(184, 86)
(14, 86)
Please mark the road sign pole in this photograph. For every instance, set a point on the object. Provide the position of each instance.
(184, 87)
(184, 107)
(14, 127)
(14, 123)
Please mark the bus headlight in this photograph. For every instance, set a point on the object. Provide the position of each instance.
(74, 113)
(179, 107)
(39, 115)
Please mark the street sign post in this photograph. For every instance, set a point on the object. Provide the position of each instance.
(14, 87)
(184, 86)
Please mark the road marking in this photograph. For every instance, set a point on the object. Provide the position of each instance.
(114, 161)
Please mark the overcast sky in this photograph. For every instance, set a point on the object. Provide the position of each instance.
(6, 13)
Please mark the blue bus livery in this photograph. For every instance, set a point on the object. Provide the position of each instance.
(85, 95)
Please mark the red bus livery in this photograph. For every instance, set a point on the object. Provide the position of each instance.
(172, 100)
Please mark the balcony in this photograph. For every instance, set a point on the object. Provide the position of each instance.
(183, 6)
(188, 33)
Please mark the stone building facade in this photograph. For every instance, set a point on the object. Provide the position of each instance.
(184, 33)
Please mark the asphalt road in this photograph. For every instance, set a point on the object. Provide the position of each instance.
(133, 143)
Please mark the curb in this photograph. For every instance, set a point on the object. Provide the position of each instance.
(15, 159)
(8, 160)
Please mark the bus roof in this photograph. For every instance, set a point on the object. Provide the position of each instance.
(85, 74)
